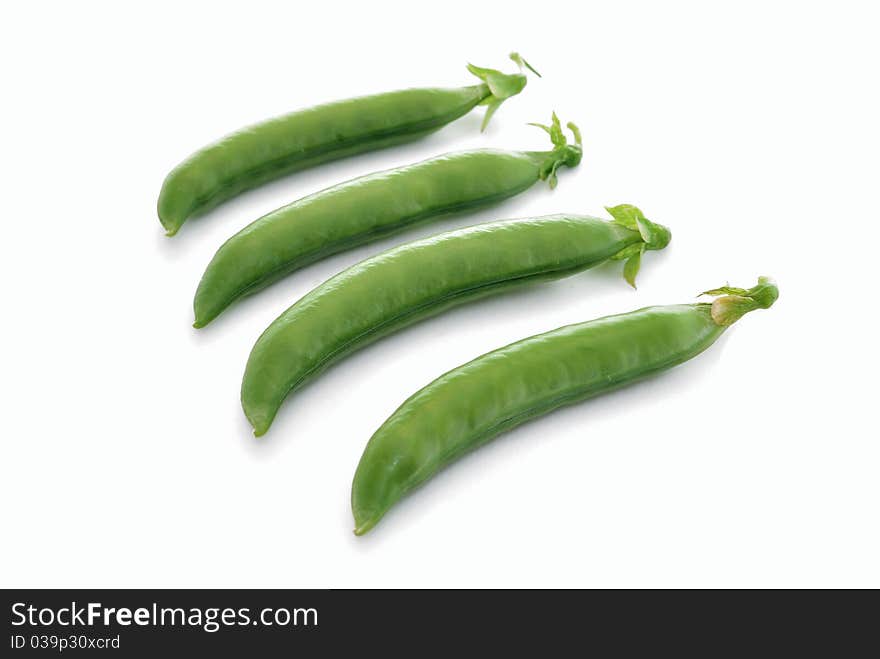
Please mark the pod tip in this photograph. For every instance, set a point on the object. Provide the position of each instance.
(364, 519)
(362, 528)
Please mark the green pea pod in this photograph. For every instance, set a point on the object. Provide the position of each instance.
(407, 283)
(268, 150)
(473, 403)
(365, 208)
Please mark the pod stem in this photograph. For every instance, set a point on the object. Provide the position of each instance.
(563, 152)
(653, 236)
(501, 85)
(737, 302)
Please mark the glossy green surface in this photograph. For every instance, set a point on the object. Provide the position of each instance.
(362, 210)
(260, 153)
(475, 402)
(270, 149)
(402, 285)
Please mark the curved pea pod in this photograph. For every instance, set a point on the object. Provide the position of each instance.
(366, 208)
(271, 149)
(473, 403)
(407, 283)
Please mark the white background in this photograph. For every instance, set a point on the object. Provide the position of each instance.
(751, 130)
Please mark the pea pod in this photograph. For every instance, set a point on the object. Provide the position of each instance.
(265, 151)
(407, 283)
(473, 403)
(366, 208)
